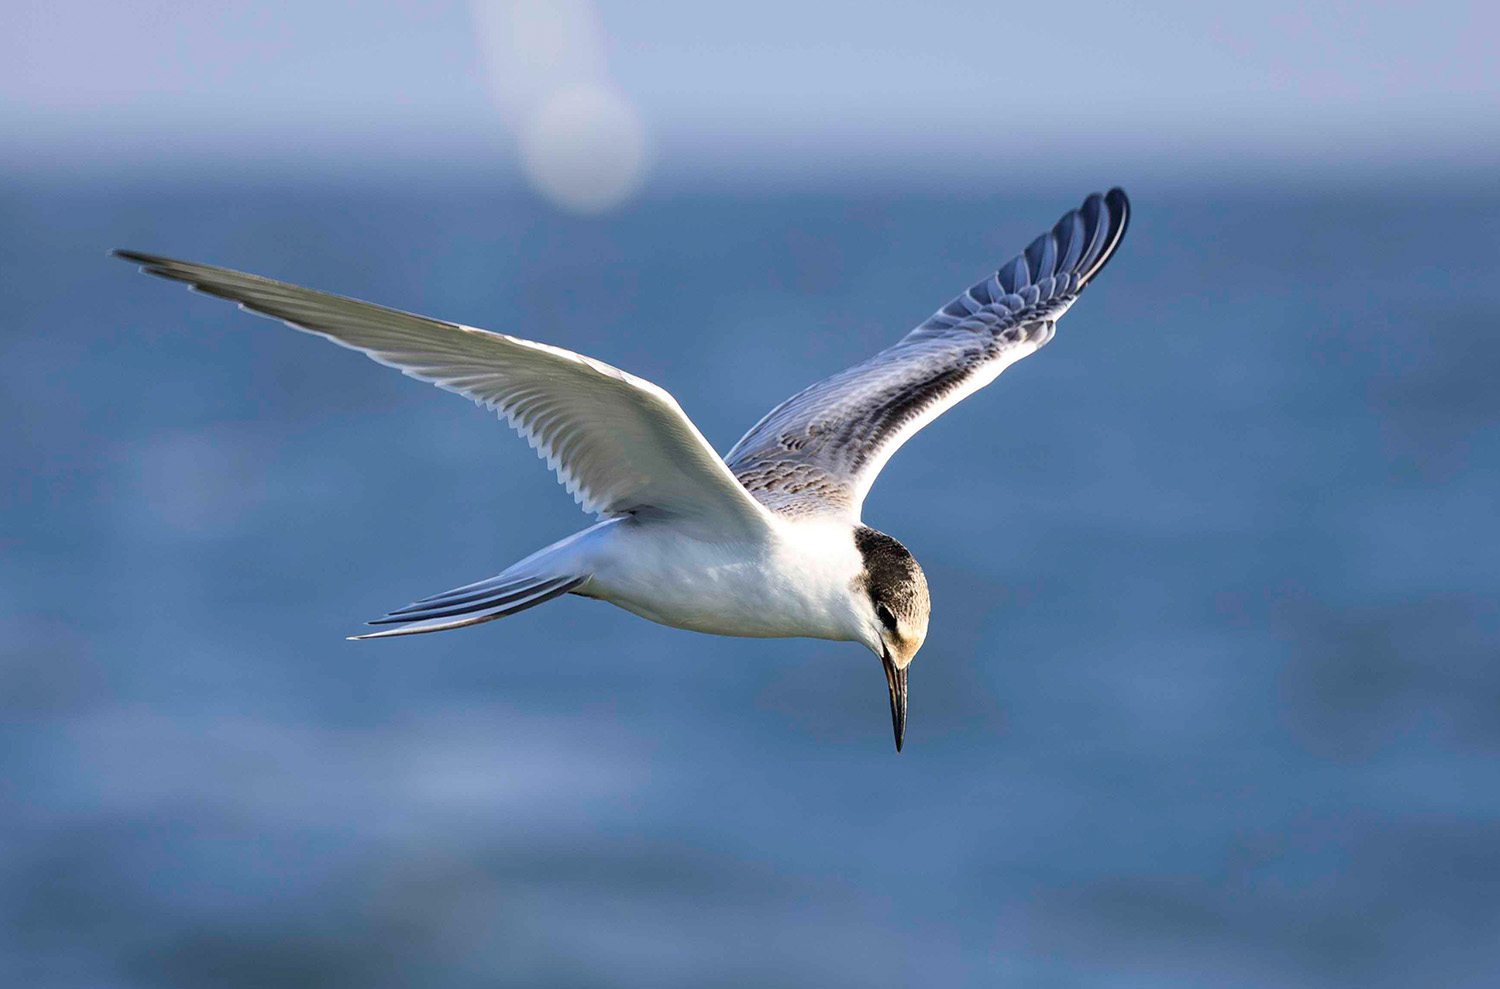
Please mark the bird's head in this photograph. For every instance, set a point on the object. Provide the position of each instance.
(893, 591)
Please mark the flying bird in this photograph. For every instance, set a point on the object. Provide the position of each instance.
(765, 541)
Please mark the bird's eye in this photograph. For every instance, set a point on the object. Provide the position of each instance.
(886, 617)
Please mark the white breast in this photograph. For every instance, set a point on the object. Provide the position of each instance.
(799, 583)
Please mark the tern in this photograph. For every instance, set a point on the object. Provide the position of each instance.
(765, 541)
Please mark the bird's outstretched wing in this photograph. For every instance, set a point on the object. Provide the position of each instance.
(619, 444)
(820, 450)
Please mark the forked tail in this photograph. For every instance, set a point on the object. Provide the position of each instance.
(550, 572)
(481, 601)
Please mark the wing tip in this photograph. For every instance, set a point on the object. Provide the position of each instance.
(162, 267)
(135, 257)
(1119, 203)
(1116, 205)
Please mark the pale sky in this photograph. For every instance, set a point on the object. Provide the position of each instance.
(775, 84)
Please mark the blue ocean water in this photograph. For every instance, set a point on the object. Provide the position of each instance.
(1211, 697)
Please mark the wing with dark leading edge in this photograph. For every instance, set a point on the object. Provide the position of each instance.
(620, 444)
(820, 450)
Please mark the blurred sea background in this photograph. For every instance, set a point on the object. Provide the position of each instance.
(1212, 693)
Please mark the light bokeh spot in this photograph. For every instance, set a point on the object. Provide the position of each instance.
(584, 148)
(582, 142)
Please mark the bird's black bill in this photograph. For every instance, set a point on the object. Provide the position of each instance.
(896, 680)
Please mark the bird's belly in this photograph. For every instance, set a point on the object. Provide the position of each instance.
(714, 588)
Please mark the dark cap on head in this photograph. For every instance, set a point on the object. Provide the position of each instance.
(897, 589)
(893, 578)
